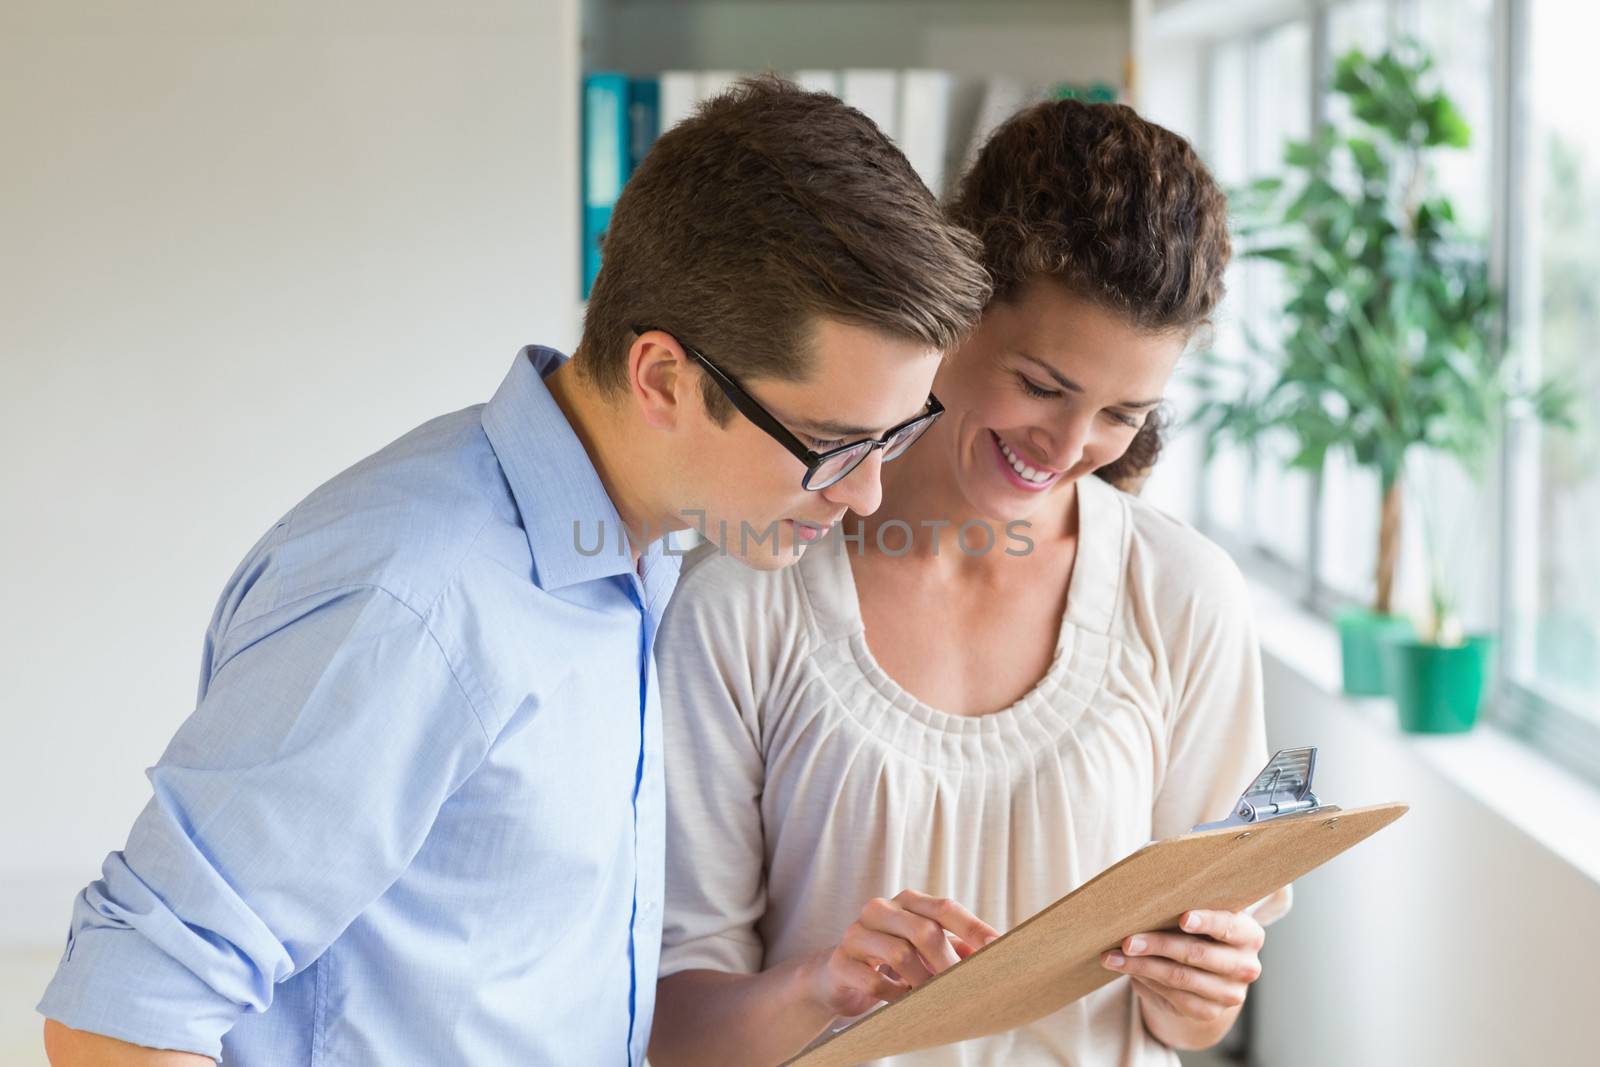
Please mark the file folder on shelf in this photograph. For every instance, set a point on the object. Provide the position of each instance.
(605, 161)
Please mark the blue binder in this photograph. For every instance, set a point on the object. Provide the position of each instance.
(644, 118)
(606, 140)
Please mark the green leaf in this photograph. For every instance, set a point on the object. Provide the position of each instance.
(1304, 154)
(1368, 162)
(1350, 73)
(1286, 256)
(1445, 124)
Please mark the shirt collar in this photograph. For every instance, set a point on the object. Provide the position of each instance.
(1097, 575)
(573, 528)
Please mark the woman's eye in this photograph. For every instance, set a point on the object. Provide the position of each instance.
(1126, 420)
(822, 444)
(1033, 389)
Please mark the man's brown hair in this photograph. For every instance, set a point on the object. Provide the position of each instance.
(1117, 209)
(769, 208)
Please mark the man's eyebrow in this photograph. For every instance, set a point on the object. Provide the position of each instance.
(830, 428)
(1073, 387)
(834, 428)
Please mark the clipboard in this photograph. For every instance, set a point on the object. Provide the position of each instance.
(1277, 832)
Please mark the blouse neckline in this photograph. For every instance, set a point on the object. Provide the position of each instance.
(1076, 665)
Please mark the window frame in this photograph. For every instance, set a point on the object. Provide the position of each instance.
(1554, 727)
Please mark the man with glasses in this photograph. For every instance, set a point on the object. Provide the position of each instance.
(417, 814)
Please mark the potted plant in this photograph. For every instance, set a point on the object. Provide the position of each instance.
(1439, 673)
(1388, 326)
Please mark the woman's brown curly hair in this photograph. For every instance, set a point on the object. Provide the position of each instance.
(1119, 210)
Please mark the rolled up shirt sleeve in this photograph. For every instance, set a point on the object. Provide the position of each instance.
(330, 732)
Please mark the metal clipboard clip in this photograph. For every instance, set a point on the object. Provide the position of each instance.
(1282, 788)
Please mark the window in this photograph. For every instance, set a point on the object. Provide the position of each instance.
(1259, 101)
(1225, 493)
(1357, 24)
(1281, 95)
(1519, 550)
(1460, 34)
(1347, 518)
(1553, 480)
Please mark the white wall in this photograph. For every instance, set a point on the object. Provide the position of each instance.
(241, 246)
(1452, 937)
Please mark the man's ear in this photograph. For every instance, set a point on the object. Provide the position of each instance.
(659, 379)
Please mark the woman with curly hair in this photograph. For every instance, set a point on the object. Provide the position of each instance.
(1007, 678)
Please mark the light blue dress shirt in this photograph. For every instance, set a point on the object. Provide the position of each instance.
(416, 816)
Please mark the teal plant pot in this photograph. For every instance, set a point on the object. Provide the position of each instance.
(1361, 633)
(1438, 690)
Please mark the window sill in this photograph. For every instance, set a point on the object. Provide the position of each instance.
(1541, 799)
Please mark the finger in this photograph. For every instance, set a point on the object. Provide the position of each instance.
(1186, 1005)
(869, 981)
(1199, 952)
(926, 935)
(1151, 993)
(1178, 978)
(1231, 927)
(950, 915)
(875, 947)
(890, 990)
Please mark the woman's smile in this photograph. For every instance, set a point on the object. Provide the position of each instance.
(1018, 471)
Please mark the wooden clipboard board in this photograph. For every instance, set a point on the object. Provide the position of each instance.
(1053, 958)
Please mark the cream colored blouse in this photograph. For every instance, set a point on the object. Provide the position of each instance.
(802, 781)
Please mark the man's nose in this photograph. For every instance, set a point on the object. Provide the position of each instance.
(862, 489)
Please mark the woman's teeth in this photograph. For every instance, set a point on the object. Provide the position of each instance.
(1024, 471)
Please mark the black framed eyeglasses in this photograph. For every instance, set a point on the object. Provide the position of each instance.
(822, 468)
